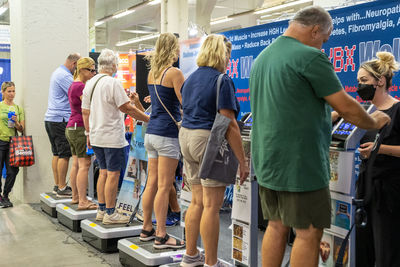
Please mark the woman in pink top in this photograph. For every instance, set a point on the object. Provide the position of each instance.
(75, 133)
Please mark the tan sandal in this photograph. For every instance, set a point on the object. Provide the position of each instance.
(89, 206)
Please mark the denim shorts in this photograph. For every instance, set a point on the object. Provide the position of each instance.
(157, 146)
(111, 159)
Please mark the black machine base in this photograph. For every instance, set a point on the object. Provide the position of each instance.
(49, 210)
(73, 225)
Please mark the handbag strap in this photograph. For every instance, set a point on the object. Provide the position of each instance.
(219, 87)
(159, 99)
(94, 86)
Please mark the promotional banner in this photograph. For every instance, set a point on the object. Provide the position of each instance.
(135, 175)
(127, 71)
(137, 149)
(189, 49)
(359, 33)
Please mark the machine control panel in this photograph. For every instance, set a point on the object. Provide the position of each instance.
(345, 135)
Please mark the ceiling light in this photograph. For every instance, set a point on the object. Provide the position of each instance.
(138, 31)
(193, 32)
(154, 2)
(123, 14)
(2, 10)
(220, 20)
(137, 40)
(98, 23)
(279, 7)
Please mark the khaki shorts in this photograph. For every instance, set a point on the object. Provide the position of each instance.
(193, 144)
(297, 209)
(77, 141)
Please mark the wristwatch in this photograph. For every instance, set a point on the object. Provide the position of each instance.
(86, 133)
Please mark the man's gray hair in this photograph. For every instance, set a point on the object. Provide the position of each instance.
(314, 15)
(107, 61)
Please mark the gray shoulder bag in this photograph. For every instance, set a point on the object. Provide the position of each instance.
(219, 162)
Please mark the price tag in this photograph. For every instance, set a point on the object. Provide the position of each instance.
(92, 224)
(66, 207)
(46, 196)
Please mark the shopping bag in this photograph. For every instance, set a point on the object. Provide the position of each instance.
(219, 162)
(21, 151)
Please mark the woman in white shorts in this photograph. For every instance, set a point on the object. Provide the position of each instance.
(161, 139)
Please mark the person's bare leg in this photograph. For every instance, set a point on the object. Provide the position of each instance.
(149, 194)
(62, 169)
(54, 163)
(72, 178)
(166, 175)
(173, 200)
(305, 251)
(192, 220)
(101, 184)
(274, 244)
(213, 198)
(82, 179)
(111, 188)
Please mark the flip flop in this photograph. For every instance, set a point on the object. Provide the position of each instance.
(150, 235)
(163, 243)
(75, 201)
(89, 206)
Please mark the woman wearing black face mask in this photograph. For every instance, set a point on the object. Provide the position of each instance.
(378, 243)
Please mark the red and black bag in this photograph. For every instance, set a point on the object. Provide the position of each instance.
(21, 151)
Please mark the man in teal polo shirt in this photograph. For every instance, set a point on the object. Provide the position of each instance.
(292, 84)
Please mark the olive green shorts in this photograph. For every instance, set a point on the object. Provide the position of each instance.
(297, 209)
(77, 141)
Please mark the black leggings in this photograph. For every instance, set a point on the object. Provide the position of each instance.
(11, 171)
(379, 243)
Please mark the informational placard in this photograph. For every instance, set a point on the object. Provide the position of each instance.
(341, 216)
(342, 167)
(359, 32)
(329, 250)
(241, 207)
(241, 242)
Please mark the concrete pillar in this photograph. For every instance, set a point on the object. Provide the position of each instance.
(43, 33)
(175, 17)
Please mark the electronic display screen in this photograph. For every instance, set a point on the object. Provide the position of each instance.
(249, 122)
(343, 131)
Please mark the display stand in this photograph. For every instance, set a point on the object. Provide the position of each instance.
(345, 140)
(245, 212)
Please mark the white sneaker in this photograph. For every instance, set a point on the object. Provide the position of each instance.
(100, 215)
(115, 218)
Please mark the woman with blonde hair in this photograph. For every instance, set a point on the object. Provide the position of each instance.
(377, 244)
(75, 133)
(9, 127)
(161, 139)
(199, 111)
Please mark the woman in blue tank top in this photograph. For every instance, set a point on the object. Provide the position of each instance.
(161, 139)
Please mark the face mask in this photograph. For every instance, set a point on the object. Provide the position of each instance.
(366, 91)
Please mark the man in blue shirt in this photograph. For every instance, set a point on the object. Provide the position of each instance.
(56, 118)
